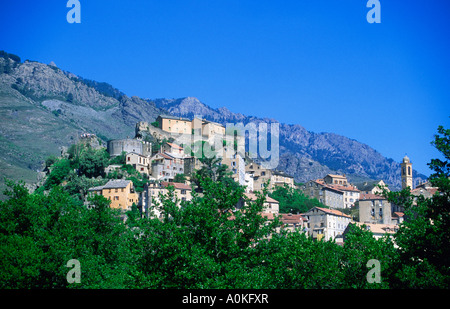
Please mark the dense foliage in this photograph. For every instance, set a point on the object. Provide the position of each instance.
(207, 243)
(293, 200)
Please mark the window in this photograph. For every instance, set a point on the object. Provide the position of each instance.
(129, 158)
(116, 198)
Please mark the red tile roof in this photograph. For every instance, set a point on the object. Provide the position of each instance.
(175, 146)
(177, 185)
(333, 212)
(165, 156)
(253, 197)
(344, 188)
(291, 218)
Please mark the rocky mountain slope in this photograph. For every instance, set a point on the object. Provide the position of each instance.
(43, 108)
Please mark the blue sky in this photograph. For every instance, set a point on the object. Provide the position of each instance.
(319, 64)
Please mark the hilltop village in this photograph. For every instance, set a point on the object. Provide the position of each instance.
(154, 154)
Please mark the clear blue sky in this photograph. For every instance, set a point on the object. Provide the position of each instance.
(319, 64)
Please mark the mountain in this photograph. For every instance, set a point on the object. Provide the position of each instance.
(44, 108)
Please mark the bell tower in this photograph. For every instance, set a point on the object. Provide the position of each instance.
(407, 180)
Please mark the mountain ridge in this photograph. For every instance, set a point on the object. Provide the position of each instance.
(44, 108)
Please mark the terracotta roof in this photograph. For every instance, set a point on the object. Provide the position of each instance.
(399, 214)
(344, 188)
(430, 190)
(333, 212)
(177, 185)
(253, 197)
(166, 156)
(291, 218)
(267, 215)
(175, 146)
(379, 228)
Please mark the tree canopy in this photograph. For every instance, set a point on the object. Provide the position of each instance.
(208, 243)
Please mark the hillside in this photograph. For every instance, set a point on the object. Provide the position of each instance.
(304, 154)
(43, 108)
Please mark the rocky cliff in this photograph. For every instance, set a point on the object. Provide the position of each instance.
(44, 108)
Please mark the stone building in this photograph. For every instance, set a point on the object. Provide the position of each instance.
(120, 192)
(262, 175)
(332, 179)
(406, 173)
(378, 230)
(279, 178)
(374, 209)
(166, 165)
(236, 165)
(326, 224)
(292, 222)
(271, 206)
(141, 163)
(351, 194)
(326, 194)
(174, 124)
(118, 146)
(151, 196)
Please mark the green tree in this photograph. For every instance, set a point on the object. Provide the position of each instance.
(59, 171)
(423, 237)
(359, 248)
(92, 162)
(214, 170)
(69, 97)
(179, 178)
(293, 200)
(40, 233)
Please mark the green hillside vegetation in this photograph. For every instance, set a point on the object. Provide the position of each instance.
(205, 243)
(292, 200)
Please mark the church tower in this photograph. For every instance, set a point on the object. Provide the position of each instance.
(407, 180)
